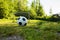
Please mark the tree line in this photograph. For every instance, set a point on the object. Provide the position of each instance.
(12, 8)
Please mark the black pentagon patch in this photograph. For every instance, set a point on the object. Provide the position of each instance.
(23, 19)
(25, 24)
(20, 23)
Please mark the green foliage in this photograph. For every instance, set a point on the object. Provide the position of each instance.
(39, 8)
(22, 8)
(32, 14)
(1, 10)
(40, 11)
(55, 17)
(22, 5)
(9, 7)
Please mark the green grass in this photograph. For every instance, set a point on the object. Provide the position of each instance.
(35, 29)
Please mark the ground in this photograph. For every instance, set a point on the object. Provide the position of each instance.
(35, 30)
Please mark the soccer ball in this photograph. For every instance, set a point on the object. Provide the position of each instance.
(22, 21)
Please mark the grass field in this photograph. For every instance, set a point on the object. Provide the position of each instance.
(34, 30)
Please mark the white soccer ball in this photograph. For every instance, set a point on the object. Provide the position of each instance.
(22, 21)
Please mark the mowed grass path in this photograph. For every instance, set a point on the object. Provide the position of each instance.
(35, 29)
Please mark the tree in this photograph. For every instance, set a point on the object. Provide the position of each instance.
(6, 8)
(22, 8)
(39, 9)
(33, 14)
(50, 11)
(22, 5)
(1, 10)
